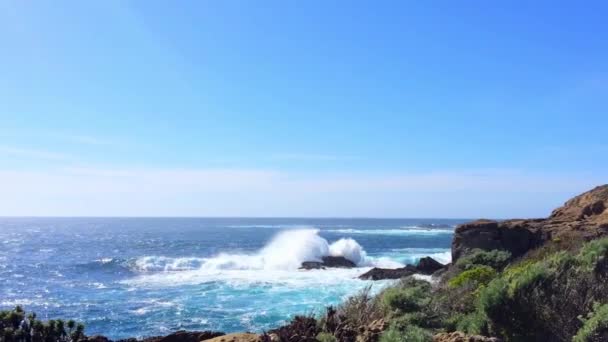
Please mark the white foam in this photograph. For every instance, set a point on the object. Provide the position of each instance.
(278, 262)
(286, 251)
(442, 257)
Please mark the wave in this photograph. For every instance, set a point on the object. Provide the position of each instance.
(393, 231)
(286, 251)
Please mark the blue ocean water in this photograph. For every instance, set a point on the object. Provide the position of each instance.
(134, 277)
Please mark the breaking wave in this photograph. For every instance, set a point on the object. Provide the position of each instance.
(286, 251)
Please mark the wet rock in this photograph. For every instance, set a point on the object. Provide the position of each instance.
(428, 266)
(337, 261)
(328, 261)
(377, 273)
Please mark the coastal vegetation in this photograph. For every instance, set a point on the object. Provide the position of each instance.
(17, 326)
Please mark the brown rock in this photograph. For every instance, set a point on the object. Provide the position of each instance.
(236, 337)
(489, 235)
(185, 336)
(583, 217)
(458, 336)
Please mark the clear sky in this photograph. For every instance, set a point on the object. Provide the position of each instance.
(301, 108)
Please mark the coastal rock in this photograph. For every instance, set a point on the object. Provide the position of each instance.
(458, 336)
(184, 336)
(236, 337)
(583, 217)
(377, 273)
(337, 261)
(489, 235)
(428, 266)
(312, 265)
(328, 261)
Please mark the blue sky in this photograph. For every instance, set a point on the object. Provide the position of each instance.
(308, 108)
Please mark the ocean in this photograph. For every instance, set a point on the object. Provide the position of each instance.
(136, 277)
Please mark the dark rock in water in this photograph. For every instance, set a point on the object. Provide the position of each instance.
(312, 265)
(389, 273)
(184, 336)
(428, 265)
(337, 261)
(328, 261)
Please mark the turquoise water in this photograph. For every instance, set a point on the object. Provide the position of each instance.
(134, 277)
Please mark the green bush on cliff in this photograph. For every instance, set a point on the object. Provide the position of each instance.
(537, 300)
(410, 296)
(497, 259)
(595, 327)
(478, 275)
(326, 337)
(411, 333)
(16, 325)
(592, 253)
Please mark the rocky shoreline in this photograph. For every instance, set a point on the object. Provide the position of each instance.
(522, 279)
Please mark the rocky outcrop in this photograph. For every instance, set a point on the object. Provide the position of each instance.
(427, 266)
(328, 261)
(178, 336)
(237, 337)
(584, 216)
(458, 336)
(489, 235)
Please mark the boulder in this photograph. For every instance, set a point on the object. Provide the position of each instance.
(377, 273)
(459, 336)
(312, 265)
(236, 337)
(337, 261)
(185, 336)
(328, 261)
(428, 265)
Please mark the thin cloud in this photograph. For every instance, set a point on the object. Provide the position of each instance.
(27, 153)
(251, 192)
(89, 140)
(311, 157)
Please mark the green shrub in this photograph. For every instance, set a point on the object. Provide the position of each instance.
(360, 309)
(411, 333)
(493, 296)
(479, 275)
(527, 276)
(592, 253)
(412, 295)
(475, 323)
(497, 259)
(326, 337)
(594, 325)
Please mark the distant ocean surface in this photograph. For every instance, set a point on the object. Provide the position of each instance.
(134, 277)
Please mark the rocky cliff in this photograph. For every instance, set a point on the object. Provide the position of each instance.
(583, 217)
